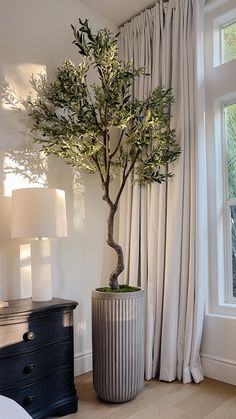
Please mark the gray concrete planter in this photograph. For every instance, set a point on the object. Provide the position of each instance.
(118, 344)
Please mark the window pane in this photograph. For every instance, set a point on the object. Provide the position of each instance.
(230, 129)
(233, 241)
(229, 42)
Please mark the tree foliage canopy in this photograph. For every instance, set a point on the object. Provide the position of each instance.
(74, 120)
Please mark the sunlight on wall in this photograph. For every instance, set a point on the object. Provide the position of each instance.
(22, 167)
(9, 246)
(81, 328)
(17, 175)
(5, 227)
(18, 77)
(79, 205)
(5, 218)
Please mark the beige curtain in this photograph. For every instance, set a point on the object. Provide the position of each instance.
(163, 227)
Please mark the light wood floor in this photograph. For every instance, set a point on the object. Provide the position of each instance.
(158, 400)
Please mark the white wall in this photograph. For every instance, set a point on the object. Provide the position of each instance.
(35, 35)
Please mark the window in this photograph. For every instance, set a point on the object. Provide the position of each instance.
(229, 138)
(224, 37)
(228, 37)
(220, 70)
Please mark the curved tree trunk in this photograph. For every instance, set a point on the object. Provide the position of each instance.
(113, 282)
(113, 206)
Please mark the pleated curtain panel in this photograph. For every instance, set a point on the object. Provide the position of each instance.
(163, 228)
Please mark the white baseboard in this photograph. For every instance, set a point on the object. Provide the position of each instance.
(82, 363)
(214, 367)
(219, 368)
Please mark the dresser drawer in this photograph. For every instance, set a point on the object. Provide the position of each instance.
(35, 332)
(35, 365)
(47, 394)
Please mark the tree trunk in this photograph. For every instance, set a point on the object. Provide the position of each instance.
(113, 282)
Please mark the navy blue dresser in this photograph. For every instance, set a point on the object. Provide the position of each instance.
(37, 357)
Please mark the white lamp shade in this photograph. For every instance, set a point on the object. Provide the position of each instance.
(38, 212)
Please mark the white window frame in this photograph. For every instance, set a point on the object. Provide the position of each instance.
(220, 90)
(219, 23)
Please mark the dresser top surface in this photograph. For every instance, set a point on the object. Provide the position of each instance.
(25, 305)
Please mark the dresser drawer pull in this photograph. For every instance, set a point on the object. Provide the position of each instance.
(29, 336)
(29, 400)
(29, 368)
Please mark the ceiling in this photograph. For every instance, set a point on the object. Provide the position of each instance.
(118, 11)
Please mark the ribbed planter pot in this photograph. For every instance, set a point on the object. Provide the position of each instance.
(118, 344)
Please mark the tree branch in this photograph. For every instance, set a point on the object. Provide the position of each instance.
(99, 169)
(118, 144)
(93, 110)
(125, 177)
(108, 145)
(105, 149)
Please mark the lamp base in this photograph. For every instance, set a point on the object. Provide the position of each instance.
(4, 304)
(41, 270)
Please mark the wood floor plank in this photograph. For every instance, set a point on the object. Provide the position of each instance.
(209, 396)
(209, 399)
(226, 410)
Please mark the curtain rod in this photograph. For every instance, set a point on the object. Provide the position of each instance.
(139, 13)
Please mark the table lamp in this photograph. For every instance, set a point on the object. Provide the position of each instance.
(39, 214)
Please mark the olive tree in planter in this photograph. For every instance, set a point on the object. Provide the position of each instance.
(79, 122)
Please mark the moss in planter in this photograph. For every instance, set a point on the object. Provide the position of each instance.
(123, 288)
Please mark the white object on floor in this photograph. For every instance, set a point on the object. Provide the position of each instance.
(9, 409)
